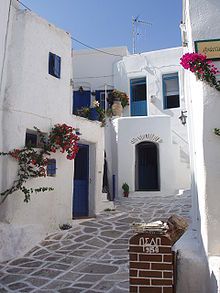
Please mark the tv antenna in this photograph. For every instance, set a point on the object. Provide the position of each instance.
(135, 33)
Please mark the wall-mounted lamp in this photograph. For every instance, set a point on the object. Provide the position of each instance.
(77, 131)
(71, 82)
(81, 89)
(183, 117)
(153, 98)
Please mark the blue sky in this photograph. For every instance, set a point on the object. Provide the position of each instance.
(102, 23)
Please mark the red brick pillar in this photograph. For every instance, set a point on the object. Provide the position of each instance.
(151, 264)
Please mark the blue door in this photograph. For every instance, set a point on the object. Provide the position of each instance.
(138, 92)
(81, 183)
(81, 99)
(147, 169)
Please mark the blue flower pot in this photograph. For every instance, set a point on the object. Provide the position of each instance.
(93, 115)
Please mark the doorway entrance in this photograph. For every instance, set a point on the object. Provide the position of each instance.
(147, 167)
(81, 183)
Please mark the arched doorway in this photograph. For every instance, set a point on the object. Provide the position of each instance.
(147, 167)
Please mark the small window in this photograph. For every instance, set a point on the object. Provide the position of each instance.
(33, 139)
(51, 167)
(100, 97)
(54, 65)
(171, 91)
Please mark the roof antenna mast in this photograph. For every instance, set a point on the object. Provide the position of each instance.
(135, 33)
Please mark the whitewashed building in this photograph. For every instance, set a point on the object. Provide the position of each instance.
(149, 126)
(150, 132)
(203, 103)
(32, 93)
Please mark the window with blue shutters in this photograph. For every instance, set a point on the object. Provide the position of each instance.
(51, 167)
(54, 65)
(171, 96)
(138, 93)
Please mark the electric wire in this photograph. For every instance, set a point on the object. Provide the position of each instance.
(24, 5)
(78, 41)
(93, 48)
(101, 76)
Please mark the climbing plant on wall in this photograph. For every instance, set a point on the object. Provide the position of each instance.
(32, 162)
(217, 131)
(203, 68)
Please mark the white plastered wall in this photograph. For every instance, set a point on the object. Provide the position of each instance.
(93, 70)
(200, 23)
(204, 103)
(31, 97)
(133, 127)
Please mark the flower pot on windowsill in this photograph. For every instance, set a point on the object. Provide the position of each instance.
(93, 114)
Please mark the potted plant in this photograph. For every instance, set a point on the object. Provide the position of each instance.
(117, 95)
(125, 188)
(117, 101)
(83, 112)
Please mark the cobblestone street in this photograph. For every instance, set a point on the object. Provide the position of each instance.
(93, 255)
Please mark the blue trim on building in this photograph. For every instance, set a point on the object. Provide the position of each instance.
(138, 108)
(164, 78)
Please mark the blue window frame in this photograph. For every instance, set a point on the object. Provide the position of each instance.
(51, 167)
(171, 98)
(138, 92)
(54, 65)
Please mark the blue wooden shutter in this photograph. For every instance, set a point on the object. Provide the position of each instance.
(51, 63)
(57, 65)
(138, 101)
(164, 93)
(54, 65)
(51, 167)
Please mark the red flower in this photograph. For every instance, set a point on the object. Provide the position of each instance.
(53, 150)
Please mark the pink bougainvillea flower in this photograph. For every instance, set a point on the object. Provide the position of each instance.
(204, 69)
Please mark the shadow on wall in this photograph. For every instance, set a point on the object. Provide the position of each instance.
(193, 273)
(211, 144)
(214, 284)
(184, 157)
(111, 157)
(158, 104)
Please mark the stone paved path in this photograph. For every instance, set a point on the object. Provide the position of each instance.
(90, 257)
